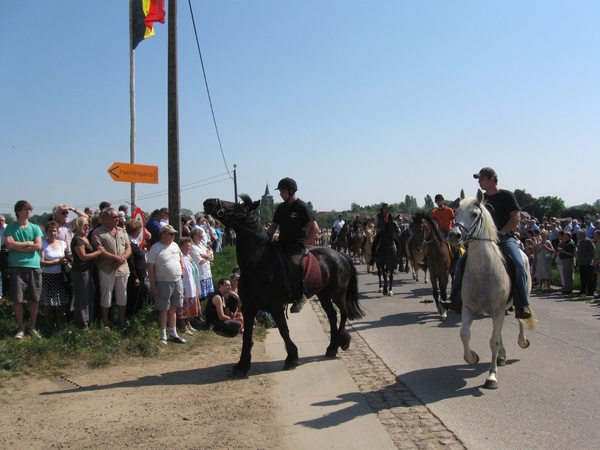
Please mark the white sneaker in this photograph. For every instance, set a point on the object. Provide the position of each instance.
(35, 333)
(163, 340)
(20, 334)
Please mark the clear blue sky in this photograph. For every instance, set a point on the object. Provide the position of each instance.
(359, 101)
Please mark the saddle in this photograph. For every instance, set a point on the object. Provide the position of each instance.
(312, 276)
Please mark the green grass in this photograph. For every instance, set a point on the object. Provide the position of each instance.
(69, 346)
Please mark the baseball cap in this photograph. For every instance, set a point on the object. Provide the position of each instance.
(168, 229)
(487, 172)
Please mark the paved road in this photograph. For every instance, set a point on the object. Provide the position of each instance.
(549, 394)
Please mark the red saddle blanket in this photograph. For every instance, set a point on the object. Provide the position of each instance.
(313, 279)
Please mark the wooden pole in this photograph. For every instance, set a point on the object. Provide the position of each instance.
(173, 122)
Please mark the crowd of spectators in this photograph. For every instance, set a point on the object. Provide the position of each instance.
(76, 268)
(572, 244)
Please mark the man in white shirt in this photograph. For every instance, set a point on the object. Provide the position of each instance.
(165, 270)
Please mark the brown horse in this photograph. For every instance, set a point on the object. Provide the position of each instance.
(415, 246)
(368, 248)
(357, 245)
(439, 258)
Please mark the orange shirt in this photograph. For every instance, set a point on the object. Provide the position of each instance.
(444, 217)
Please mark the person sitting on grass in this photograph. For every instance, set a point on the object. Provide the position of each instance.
(215, 310)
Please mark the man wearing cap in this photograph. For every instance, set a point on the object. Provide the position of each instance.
(113, 269)
(589, 229)
(505, 211)
(60, 214)
(297, 230)
(165, 270)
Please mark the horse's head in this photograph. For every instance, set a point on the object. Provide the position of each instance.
(232, 214)
(473, 221)
(420, 231)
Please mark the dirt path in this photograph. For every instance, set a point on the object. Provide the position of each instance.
(186, 401)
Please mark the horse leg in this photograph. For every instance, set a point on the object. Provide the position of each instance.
(523, 341)
(385, 280)
(379, 276)
(491, 381)
(443, 283)
(292, 361)
(243, 365)
(436, 297)
(465, 335)
(325, 299)
(390, 293)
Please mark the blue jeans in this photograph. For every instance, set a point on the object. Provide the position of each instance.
(507, 244)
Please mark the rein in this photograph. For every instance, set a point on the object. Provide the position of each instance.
(468, 233)
(221, 213)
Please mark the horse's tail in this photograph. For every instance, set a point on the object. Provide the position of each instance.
(355, 312)
(530, 323)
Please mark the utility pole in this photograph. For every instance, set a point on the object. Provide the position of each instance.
(235, 197)
(173, 123)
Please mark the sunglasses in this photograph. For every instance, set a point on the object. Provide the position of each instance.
(64, 213)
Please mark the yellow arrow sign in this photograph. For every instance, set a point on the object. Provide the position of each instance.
(133, 173)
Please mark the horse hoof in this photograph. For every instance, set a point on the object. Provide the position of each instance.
(524, 344)
(390, 294)
(501, 362)
(290, 365)
(444, 316)
(380, 290)
(331, 353)
(238, 373)
(490, 384)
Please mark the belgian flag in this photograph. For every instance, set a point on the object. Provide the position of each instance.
(143, 15)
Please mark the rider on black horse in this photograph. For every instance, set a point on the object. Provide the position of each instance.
(381, 221)
(297, 230)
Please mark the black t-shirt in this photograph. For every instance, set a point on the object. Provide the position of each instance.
(500, 205)
(293, 221)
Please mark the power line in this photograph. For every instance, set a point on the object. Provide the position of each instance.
(207, 89)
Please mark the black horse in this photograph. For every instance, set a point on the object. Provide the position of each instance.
(262, 285)
(386, 257)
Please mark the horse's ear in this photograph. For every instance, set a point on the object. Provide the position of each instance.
(255, 205)
(462, 194)
(479, 195)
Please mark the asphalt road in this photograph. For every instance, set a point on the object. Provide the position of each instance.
(549, 394)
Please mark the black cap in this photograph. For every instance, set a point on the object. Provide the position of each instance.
(287, 183)
(487, 172)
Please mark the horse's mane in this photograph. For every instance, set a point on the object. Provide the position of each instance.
(489, 228)
(252, 220)
(434, 227)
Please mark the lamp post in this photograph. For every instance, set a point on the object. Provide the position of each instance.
(235, 198)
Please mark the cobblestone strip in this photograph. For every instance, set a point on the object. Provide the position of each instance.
(408, 421)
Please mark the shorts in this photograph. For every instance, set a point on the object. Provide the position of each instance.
(108, 282)
(170, 294)
(25, 277)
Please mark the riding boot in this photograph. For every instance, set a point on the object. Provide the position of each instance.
(298, 293)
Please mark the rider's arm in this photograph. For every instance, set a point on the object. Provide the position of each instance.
(313, 229)
(515, 218)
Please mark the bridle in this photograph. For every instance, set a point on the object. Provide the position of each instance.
(475, 228)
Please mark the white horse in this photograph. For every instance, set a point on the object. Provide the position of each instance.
(486, 284)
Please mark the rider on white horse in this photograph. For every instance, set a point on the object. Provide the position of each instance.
(505, 211)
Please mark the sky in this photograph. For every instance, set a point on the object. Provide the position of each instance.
(360, 101)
